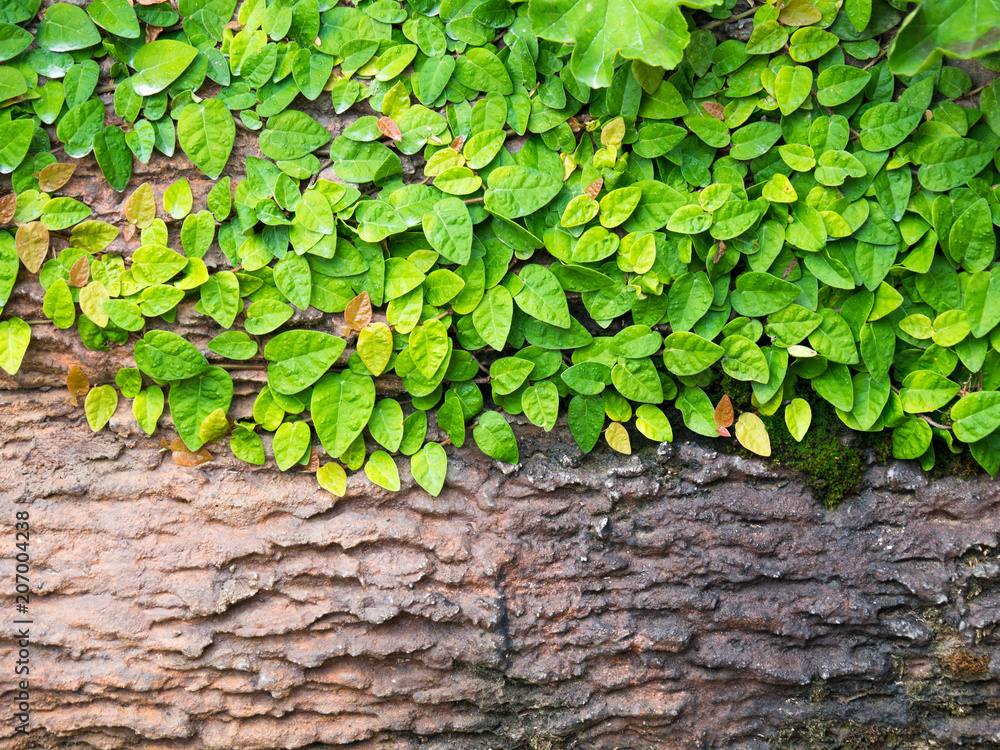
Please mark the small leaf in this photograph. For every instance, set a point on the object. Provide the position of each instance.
(381, 470)
(752, 434)
(332, 478)
(798, 417)
(724, 412)
(358, 313)
(618, 439)
(429, 467)
(100, 406)
(77, 381)
(54, 176)
(32, 243)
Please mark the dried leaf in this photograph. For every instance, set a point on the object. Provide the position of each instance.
(187, 458)
(128, 232)
(715, 109)
(77, 381)
(720, 253)
(389, 129)
(79, 274)
(358, 314)
(152, 32)
(724, 412)
(8, 205)
(54, 176)
(32, 243)
(724, 432)
(594, 188)
(789, 268)
(574, 125)
(313, 466)
(458, 143)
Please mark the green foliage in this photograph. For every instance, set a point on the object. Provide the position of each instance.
(601, 232)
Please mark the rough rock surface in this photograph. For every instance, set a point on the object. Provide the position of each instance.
(678, 599)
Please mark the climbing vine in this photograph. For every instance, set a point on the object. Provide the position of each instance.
(601, 221)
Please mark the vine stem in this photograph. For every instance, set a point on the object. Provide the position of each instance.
(731, 19)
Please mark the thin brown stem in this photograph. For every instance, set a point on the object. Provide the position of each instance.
(731, 19)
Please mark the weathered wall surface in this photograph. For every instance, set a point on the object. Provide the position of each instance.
(675, 600)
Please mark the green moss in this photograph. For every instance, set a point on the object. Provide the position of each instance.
(832, 469)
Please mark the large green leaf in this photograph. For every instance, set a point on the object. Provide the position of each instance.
(166, 356)
(193, 399)
(300, 358)
(654, 31)
(341, 406)
(495, 438)
(958, 28)
(160, 63)
(206, 132)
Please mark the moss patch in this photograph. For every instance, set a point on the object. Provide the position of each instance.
(831, 459)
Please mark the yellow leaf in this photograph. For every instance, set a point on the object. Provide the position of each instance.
(617, 437)
(752, 434)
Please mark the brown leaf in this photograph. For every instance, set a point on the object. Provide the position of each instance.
(32, 243)
(720, 253)
(77, 381)
(313, 466)
(715, 109)
(148, 2)
(724, 412)
(789, 268)
(54, 176)
(188, 458)
(574, 125)
(358, 314)
(164, 445)
(389, 129)
(128, 232)
(594, 188)
(152, 32)
(723, 432)
(8, 205)
(458, 143)
(79, 274)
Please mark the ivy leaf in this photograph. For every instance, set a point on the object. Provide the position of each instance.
(752, 434)
(495, 438)
(166, 356)
(958, 28)
(148, 408)
(381, 470)
(341, 406)
(206, 132)
(291, 441)
(100, 406)
(332, 478)
(429, 467)
(448, 228)
(192, 400)
(542, 297)
(160, 63)
(15, 335)
(299, 358)
(113, 157)
(654, 31)
(116, 17)
(66, 28)
(375, 347)
(798, 417)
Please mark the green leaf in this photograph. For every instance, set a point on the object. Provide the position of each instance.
(838, 84)
(759, 294)
(428, 347)
(541, 404)
(448, 228)
(160, 63)
(299, 358)
(752, 434)
(15, 139)
(948, 163)
(481, 70)
(976, 416)
(66, 28)
(911, 439)
(586, 421)
(381, 470)
(653, 424)
(100, 406)
(166, 356)
(926, 391)
(247, 446)
(58, 305)
(697, 411)
(958, 28)
(115, 16)
(234, 345)
(495, 438)
(686, 354)
(542, 297)
(833, 339)
(148, 408)
(429, 467)
(507, 374)
(798, 417)
(514, 191)
(178, 199)
(292, 135)
(207, 132)
(375, 347)
(332, 478)
(358, 162)
(341, 406)
(637, 380)
(451, 419)
(689, 299)
(192, 400)
(266, 315)
(886, 125)
(291, 442)
(113, 157)
(15, 335)
(156, 264)
(792, 86)
(654, 31)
